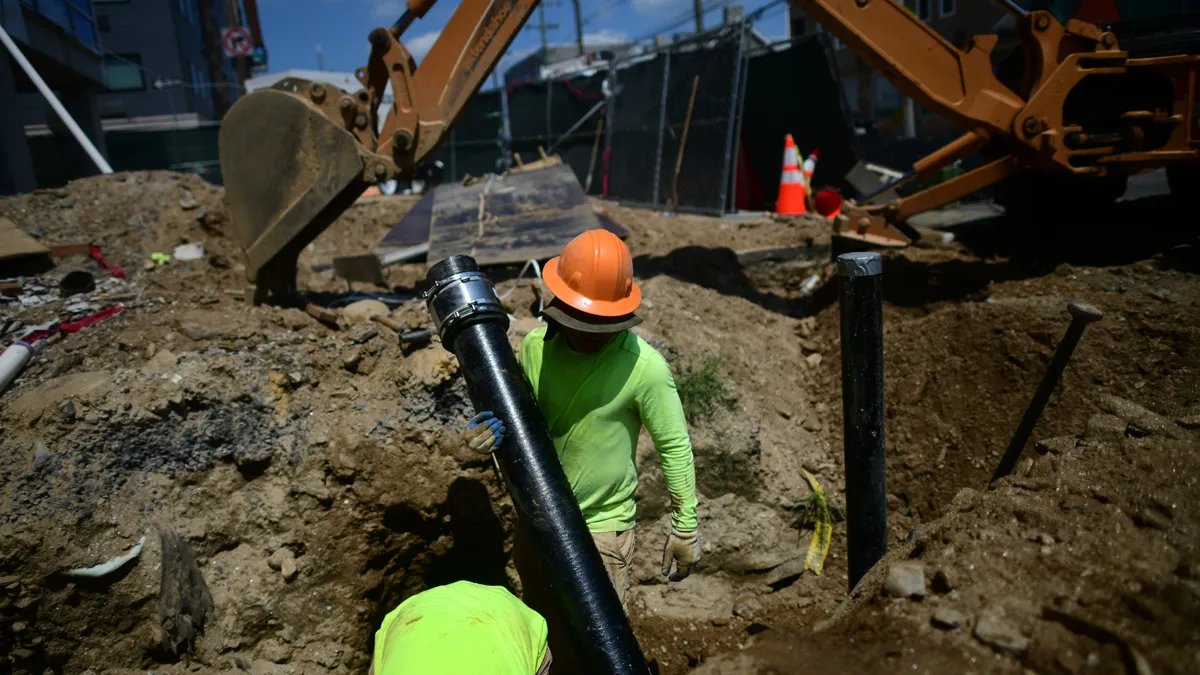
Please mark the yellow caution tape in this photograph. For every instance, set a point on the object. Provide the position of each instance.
(817, 508)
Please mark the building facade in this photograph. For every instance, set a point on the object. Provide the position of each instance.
(153, 68)
(59, 39)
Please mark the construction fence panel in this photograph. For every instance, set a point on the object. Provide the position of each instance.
(649, 115)
(635, 119)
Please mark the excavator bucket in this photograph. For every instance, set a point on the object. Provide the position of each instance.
(289, 171)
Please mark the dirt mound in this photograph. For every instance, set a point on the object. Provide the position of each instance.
(260, 436)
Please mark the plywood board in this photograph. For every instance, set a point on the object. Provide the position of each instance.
(14, 243)
(525, 215)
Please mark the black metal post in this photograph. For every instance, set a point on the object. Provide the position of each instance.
(860, 277)
(1081, 316)
(473, 325)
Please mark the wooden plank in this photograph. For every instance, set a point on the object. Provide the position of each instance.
(525, 215)
(14, 243)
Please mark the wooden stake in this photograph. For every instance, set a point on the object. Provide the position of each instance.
(687, 122)
(587, 184)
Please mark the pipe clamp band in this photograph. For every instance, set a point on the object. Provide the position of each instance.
(460, 299)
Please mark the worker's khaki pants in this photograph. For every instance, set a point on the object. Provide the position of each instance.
(616, 550)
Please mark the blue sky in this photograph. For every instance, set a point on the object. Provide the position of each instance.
(292, 29)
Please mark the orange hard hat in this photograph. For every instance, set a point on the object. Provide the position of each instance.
(594, 275)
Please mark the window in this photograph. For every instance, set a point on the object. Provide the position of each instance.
(922, 8)
(949, 7)
(123, 72)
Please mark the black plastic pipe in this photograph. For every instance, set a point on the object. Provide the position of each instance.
(1081, 315)
(475, 329)
(860, 277)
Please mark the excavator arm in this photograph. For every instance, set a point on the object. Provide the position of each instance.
(1032, 128)
(297, 155)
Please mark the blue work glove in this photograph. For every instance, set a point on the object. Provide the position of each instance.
(484, 433)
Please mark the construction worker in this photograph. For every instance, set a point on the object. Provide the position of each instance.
(598, 384)
(459, 628)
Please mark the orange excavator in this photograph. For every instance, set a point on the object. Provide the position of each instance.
(295, 156)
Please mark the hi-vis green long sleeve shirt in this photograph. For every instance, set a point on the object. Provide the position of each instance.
(595, 406)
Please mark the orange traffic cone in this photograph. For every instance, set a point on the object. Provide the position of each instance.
(792, 190)
(810, 164)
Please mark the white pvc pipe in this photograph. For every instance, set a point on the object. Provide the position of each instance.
(86, 142)
(13, 361)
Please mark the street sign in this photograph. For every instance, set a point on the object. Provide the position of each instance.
(259, 57)
(236, 41)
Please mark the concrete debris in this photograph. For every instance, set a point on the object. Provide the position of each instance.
(188, 201)
(905, 580)
(995, 631)
(948, 618)
(1140, 419)
(188, 252)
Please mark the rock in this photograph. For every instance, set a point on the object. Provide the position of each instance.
(366, 334)
(948, 618)
(283, 561)
(813, 360)
(41, 456)
(288, 567)
(1141, 419)
(363, 310)
(995, 631)
(1056, 446)
(351, 360)
(188, 201)
(185, 603)
(296, 378)
(941, 583)
(905, 580)
(274, 651)
(748, 607)
(1101, 427)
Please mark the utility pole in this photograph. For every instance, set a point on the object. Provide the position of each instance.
(320, 59)
(579, 26)
(542, 27)
(698, 8)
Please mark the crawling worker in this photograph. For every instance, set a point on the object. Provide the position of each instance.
(462, 628)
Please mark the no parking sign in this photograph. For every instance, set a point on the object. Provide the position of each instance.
(236, 41)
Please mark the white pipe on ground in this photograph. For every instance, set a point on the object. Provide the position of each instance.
(13, 361)
(59, 110)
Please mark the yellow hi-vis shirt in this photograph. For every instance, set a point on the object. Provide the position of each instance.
(461, 628)
(595, 406)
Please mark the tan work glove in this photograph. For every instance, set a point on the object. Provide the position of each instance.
(483, 433)
(683, 549)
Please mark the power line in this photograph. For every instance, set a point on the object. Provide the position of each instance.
(603, 10)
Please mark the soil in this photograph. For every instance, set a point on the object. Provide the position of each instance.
(306, 475)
